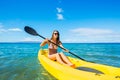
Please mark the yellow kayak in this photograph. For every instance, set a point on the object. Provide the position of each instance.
(84, 70)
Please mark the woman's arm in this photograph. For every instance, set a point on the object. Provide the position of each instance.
(63, 47)
(44, 42)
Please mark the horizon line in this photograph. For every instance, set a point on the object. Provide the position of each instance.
(63, 42)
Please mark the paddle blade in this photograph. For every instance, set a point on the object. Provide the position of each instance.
(30, 30)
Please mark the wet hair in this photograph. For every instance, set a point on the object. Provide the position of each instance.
(58, 38)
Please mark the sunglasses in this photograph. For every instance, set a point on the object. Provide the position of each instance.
(56, 33)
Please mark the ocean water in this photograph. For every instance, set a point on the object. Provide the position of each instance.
(19, 61)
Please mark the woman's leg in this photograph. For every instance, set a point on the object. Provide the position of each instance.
(56, 57)
(59, 59)
(67, 60)
(52, 57)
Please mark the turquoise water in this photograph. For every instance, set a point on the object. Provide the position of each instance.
(18, 61)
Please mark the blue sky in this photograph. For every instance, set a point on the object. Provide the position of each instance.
(77, 20)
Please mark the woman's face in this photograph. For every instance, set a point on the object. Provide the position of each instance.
(55, 34)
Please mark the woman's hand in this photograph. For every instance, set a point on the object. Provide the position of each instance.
(66, 50)
(47, 40)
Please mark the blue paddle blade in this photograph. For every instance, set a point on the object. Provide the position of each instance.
(30, 30)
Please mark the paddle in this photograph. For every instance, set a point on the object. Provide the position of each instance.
(33, 32)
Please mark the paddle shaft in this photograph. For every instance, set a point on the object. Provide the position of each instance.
(62, 48)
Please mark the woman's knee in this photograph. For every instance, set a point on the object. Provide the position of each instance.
(57, 55)
(61, 53)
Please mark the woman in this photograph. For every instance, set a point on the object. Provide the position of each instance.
(53, 54)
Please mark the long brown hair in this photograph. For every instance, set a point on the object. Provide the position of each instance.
(58, 38)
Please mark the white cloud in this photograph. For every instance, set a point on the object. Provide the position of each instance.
(93, 35)
(59, 10)
(59, 13)
(15, 29)
(27, 39)
(30, 39)
(91, 31)
(2, 30)
(60, 17)
(69, 40)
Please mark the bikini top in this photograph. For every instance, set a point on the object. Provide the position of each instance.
(52, 50)
(51, 46)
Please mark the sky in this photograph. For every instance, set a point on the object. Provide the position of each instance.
(78, 21)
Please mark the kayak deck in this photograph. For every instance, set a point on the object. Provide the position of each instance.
(84, 70)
